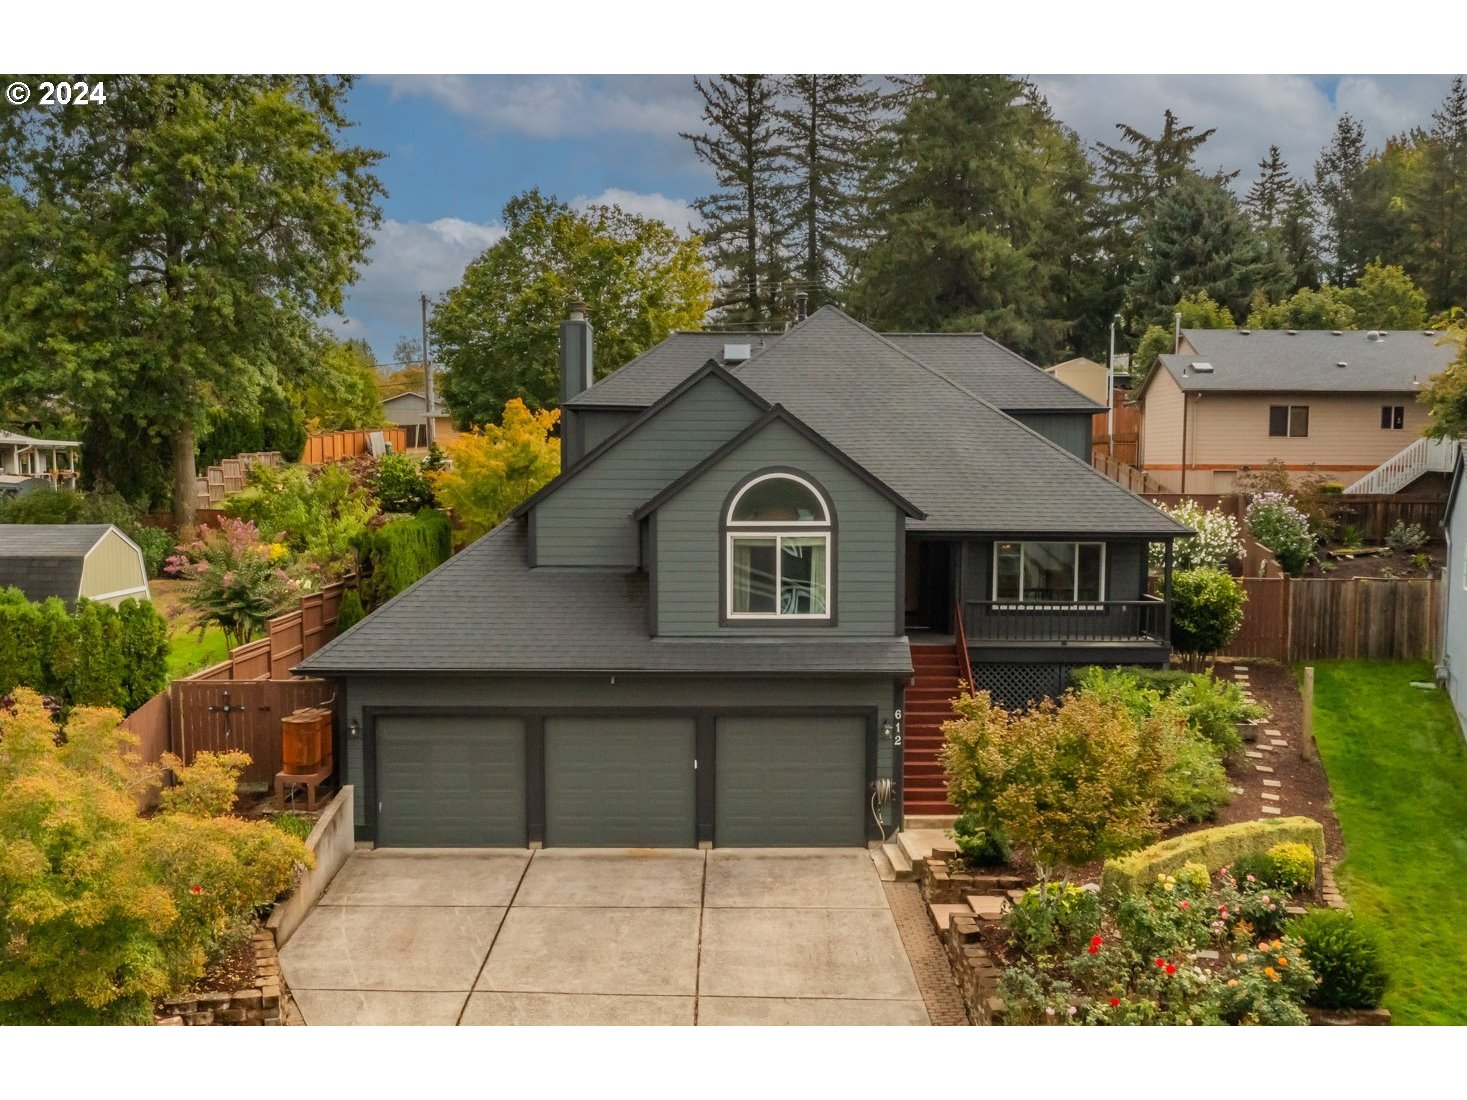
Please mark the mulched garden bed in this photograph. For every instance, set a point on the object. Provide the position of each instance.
(234, 970)
(1303, 787)
(1385, 566)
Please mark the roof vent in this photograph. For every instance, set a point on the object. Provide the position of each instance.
(1202, 368)
(1246, 331)
(1429, 332)
(1342, 363)
(737, 353)
(1372, 335)
(1337, 332)
(1383, 334)
(1293, 332)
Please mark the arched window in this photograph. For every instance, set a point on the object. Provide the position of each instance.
(778, 529)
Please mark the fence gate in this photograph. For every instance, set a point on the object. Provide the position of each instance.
(243, 715)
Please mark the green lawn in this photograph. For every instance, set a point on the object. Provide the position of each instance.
(1398, 769)
(187, 652)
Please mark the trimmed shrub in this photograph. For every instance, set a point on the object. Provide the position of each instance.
(1293, 866)
(1213, 848)
(403, 552)
(1207, 610)
(98, 656)
(350, 612)
(1344, 955)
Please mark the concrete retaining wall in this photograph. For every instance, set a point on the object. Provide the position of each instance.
(332, 840)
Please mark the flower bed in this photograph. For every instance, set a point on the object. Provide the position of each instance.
(256, 1003)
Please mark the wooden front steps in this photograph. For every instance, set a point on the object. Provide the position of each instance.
(928, 704)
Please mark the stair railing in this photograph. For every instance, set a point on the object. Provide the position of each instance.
(965, 664)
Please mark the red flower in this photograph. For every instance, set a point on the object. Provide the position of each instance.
(1095, 949)
(1185, 904)
(1096, 941)
(1160, 962)
(196, 889)
(1171, 968)
(1114, 1001)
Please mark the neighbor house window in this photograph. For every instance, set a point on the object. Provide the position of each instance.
(779, 531)
(1064, 573)
(1288, 420)
(1393, 417)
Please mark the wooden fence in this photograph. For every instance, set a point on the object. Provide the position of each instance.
(1124, 474)
(1319, 618)
(244, 715)
(188, 716)
(1375, 515)
(217, 482)
(1125, 423)
(330, 446)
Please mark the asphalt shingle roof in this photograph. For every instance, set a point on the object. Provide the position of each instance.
(1272, 360)
(661, 367)
(1001, 377)
(970, 359)
(485, 611)
(45, 559)
(958, 458)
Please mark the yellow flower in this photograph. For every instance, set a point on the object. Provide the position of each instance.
(1241, 958)
(1170, 887)
(1272, 974)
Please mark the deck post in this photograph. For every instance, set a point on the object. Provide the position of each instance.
(1166, 594)
(1307, 749)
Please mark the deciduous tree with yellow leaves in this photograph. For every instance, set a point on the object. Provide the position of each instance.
(493, 468)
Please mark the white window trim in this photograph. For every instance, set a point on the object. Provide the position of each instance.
(733, 507)
(776, 534)
(1035, 605)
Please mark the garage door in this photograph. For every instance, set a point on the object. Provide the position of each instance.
(447, 782)
(790, 782)
(619, 782)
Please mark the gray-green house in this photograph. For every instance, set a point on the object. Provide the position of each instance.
(705, 629)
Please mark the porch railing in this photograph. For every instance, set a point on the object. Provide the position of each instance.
(1143, 620)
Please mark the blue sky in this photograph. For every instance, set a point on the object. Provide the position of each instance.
(459, 146)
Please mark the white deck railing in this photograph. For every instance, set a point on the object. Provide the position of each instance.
(1424, 456)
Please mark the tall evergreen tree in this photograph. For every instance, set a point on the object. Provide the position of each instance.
(979, 223)
(1199, 240)
(1437, 199)
(744, 146)
(1338, 180)
(1297, 237)
(827, 125)
(1270, 193)
(1134, 173)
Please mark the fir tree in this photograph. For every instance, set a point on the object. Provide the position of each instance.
(1338, 177)
(746, 151)
(827, 124)
(1438, 202)
(981, 219)
(1269, 196)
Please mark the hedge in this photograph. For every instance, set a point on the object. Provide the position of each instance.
(402, 552)
(1213, 848)
(95, 656)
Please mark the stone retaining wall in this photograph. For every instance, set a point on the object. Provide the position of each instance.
(974, 969)
(258, 1005)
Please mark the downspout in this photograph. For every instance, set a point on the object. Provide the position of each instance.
(1183, 455)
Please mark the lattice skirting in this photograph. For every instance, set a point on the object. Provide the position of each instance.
(1018, 685)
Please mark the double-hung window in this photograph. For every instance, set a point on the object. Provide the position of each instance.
(1063, 574)
(1393, 417)
(779, 550)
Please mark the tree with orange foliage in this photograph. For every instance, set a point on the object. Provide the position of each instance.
(493, 468)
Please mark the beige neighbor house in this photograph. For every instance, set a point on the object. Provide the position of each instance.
(92, 560)
(1085, 376)
(1341, 404)
(410, 410)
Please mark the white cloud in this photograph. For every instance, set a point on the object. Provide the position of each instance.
(551, 107)
(675, 212)
(408, 259)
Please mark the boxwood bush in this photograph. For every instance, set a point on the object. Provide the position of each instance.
(1213, 848)
(1344, 955)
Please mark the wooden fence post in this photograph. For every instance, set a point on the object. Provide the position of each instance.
(1307, 748)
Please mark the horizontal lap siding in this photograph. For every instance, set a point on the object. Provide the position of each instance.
(1069, 430)
(588, 520)
(689, 530)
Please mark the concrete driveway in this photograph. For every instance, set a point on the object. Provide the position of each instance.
(575, 936)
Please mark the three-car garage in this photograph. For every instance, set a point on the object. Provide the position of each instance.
(480, 779)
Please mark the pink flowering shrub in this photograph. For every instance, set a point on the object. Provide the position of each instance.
(237, 579)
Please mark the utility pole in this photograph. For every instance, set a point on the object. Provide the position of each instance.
(429, 422)
(1110, 392)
